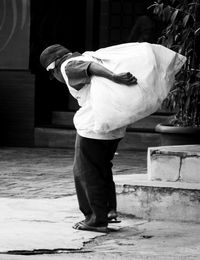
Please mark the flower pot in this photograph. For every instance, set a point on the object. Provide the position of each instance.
(175, 135)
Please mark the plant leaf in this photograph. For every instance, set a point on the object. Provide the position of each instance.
(186, 19)
(167, 13)
(197, 31)
(198, 75)
(174, 15)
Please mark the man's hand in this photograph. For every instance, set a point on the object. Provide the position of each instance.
(125, 78)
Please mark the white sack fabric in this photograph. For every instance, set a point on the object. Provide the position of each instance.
(116, 105)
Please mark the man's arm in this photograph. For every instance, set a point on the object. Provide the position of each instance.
(79, 73)
(123, 78)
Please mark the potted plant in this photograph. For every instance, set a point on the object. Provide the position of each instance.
(182, 34)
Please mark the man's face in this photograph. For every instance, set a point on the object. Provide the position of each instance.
(57, 74)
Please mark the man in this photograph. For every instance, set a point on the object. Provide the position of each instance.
(93, 151)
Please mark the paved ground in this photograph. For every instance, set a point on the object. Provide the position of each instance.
(140, 240)
(46, 174)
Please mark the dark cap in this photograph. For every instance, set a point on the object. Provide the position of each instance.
(51, 53)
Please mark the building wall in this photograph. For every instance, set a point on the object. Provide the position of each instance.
(116, 20)
(16, 108)
(16, 82)
(118, 17)
(14, 34)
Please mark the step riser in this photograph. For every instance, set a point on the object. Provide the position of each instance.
(140, 135)
(159, 203)
(146, 124)
(61, 138)
(54, 138)
(65, 138)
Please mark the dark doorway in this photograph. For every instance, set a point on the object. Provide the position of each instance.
(62, 22)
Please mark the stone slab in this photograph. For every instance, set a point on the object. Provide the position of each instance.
(35, 224)
(174, 163)
(190, 169)
(164, 168)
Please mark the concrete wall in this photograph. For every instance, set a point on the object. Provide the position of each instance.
(16, 108)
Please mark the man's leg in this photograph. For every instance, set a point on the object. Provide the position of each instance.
(90, 182)
(80, 185)
(110, 152)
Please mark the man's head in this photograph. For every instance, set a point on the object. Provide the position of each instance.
(51, 54)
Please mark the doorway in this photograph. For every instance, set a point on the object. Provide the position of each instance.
(52, 22)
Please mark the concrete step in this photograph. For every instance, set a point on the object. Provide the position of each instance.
(148, 124)
(61, 133)
(169, 191)
(65, 138)
(174, 163)
(157, 200)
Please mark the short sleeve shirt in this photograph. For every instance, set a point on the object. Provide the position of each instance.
(77, 73)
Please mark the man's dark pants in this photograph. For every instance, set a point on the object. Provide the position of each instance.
(94, 179)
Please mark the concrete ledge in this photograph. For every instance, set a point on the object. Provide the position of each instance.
(54, 138)
(65, 138)
(147, 124)
(173, 163)
(143, 180)
(155, 200)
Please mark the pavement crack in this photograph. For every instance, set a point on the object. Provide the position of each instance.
(47, 251)
(37, 220)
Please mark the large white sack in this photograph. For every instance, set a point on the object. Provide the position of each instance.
(116, 105)
(105, 105)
